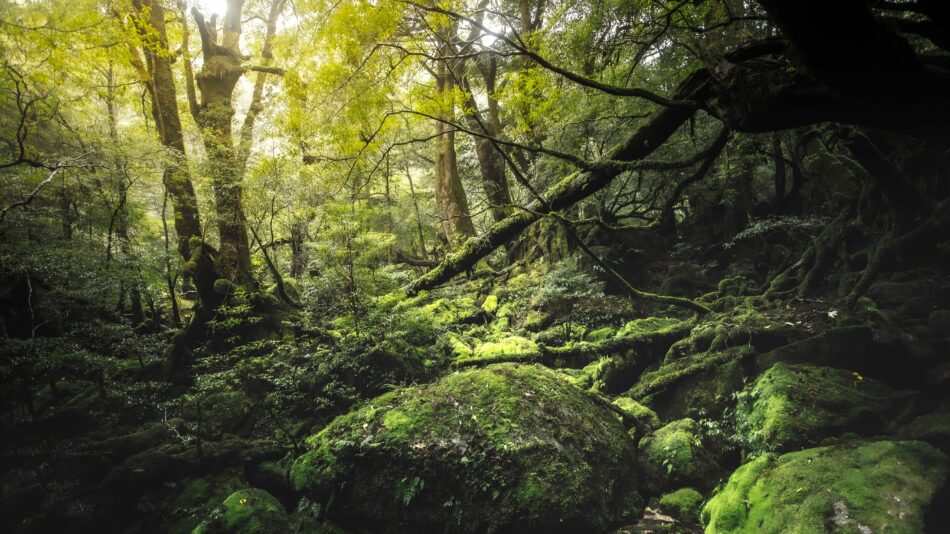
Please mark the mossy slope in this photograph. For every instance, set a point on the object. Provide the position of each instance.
(507, 447)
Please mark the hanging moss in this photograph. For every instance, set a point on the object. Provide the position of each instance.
(872, 486)
(506, 447)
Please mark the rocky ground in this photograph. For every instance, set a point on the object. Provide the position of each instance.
(490, 412)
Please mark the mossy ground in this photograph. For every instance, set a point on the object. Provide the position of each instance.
(868, 486)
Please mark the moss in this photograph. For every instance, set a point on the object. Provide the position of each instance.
(590, 376)
(875, 486)
(683, 504)
(647, 326)
(508, 446)
(934, 428)
(638, 411)
(222, 286)
(248, 511)
(792, 406)
(674, 457)
(509, 349)
(670, 373)
(446, 311)
(491, 304)
(454, 346)
(600, 334)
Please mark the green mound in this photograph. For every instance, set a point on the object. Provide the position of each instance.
(793, 406)
(248, 511)
(505, 447)
(674, 457)
(875, 486)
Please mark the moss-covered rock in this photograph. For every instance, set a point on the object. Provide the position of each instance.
(507, 349)
(849, 347)
(874, 486)
(934, 428)
(508, 446)
(674, 457)
(795, 406)
(683, 504)
(701, 385)
(648, 325)
(643, 415)
(247, 511)
(600, 334)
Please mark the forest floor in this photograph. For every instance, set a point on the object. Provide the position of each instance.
(527, 400)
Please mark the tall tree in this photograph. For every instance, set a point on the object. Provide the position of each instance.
(456, 221)
(156, 74)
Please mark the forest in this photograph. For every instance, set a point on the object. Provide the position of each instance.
(504, 266)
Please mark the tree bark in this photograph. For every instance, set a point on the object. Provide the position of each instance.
(220, 72)
(455, 220)
(157, 75)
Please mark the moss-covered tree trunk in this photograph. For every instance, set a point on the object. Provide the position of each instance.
(220, 72)
(156, 74)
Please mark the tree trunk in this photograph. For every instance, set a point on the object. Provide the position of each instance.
(450, 196)
(220, 72)
(157, 75)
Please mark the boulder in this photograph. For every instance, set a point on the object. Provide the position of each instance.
(683, 504)
(508, 447)
(870, 486)
(247, 511)
(674, 457)
(794, 406)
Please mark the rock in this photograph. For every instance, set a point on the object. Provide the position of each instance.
(939, 323)
(917, 307)
(701, 385)
(934, 428)
(793, 406)
(644, 416)
(939, 377)
(674, 457)
(506, 447)
(683, 504)
(893, 294)
(871, 486)
(850, 347)
(248, 511)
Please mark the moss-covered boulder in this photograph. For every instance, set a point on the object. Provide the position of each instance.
(644, 416)
(795, 406)
(683, 504)
(248, 511)
(934, 428)
(506, 447)
(674, 457)
(873, 486)
(850, 347)
(699, 386)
